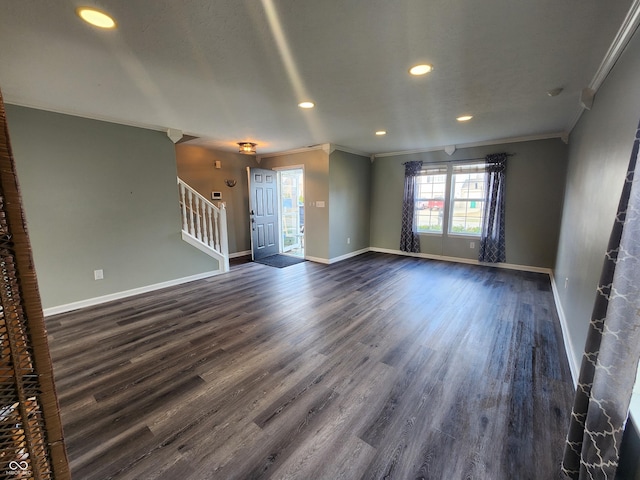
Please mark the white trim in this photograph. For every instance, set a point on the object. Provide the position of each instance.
(203, 247)
(292, 152)
(566, 336)
(324, 261)
(328, 148)
(351, 150)
(500, 141)
(244, 253)
(288, 167)
(627, 29)
(622, 38)
(88, 116)
(331, 261)
(470, 261)
(349, 255)
(126, 293)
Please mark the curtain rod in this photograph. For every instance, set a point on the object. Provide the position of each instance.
(461, 159)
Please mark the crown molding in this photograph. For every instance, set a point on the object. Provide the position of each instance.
(501, 141)
(320, 146)
(327, 148)
(622, 38)
(98, 118)
(350, 150)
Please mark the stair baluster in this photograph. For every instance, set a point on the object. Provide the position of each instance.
(204, 225)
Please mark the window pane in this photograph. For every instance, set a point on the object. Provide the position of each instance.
(428, 220)
(467, 203)
(429, 206)
(468, 185)
(466, 217)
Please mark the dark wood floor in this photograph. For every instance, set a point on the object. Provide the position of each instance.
(375, 367)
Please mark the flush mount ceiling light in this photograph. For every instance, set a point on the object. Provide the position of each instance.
(247, 147)
(96, 17)
(306, 104)
(464, 118)
(421, 69)
(381, 133)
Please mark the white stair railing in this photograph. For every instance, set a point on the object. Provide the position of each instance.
(204, 225)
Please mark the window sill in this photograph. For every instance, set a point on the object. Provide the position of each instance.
(463, 235)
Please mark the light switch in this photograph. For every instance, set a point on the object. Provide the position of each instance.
(320, 204)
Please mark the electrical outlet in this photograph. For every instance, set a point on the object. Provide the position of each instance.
(98, 274)
(472, 244)
(348, 240)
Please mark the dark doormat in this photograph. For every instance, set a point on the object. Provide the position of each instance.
(279, 261)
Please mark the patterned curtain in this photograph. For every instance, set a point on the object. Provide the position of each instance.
(409, 239)
(612, 348)
(492, 244)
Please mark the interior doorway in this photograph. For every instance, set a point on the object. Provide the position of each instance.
(291, 205)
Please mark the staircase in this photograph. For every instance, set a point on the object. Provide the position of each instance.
(204, 225)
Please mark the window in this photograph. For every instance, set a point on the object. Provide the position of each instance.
(430, 199)
(450, 198)
(467, 199)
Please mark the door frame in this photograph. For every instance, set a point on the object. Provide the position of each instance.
(304, 189)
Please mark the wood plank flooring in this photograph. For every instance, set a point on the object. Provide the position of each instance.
(375, 367)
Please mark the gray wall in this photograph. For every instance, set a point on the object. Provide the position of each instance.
(316, 188)
(99, 196)
(349, 195)
(196, 167)
(599, 151)
(600, 147)
(534, 193)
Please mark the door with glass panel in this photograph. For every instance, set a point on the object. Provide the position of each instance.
(292, 211)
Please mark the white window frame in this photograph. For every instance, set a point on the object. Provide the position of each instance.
(449, 170)
(431, 170)
(465, 169)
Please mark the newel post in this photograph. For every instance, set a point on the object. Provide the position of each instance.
(224, 242)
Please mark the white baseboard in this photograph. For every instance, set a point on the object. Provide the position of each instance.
(574, 366)
(568, 346)
(126, 293)
(240, 254)
(349, 255)
(324, 261)
(470, 261)
(330, 261)
(566, 337)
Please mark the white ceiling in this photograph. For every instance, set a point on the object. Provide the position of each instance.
(232, 70)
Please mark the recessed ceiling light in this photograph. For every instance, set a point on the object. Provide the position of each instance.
(381, 132)
(421, 69)
(96, 17)
(306, 104)
(464, 118)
